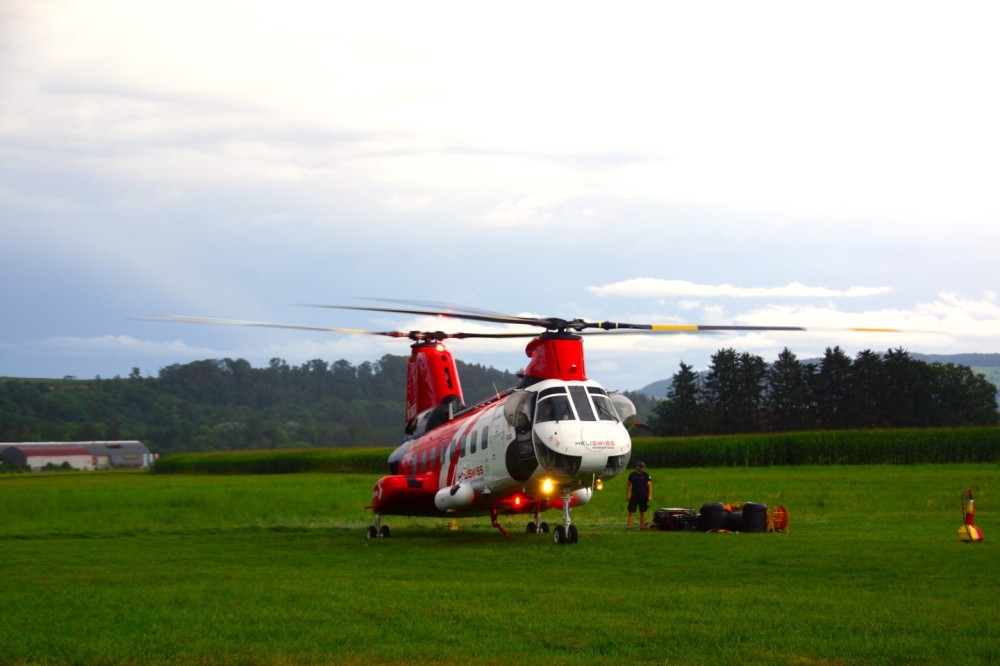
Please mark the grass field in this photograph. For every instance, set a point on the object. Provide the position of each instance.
(109, 568)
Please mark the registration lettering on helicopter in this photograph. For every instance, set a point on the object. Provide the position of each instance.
(471, 473)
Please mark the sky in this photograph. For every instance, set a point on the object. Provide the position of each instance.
(826, 165)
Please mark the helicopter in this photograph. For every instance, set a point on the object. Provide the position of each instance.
(547, 443)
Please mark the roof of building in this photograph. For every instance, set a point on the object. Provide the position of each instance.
(97, 447)
(51, 450)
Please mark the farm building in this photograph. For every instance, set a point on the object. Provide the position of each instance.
(100, 455)
(118, 455)
(43, 455)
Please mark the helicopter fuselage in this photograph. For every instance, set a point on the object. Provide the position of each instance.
(536, 447)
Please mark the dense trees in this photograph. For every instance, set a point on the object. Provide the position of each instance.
(227, 404)
(740, 393)
(680, 413)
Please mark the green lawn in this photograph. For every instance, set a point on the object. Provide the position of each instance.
(189, 569)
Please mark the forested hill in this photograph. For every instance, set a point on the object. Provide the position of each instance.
(229, 405)
(971, 360)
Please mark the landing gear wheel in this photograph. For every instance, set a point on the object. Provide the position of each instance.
(537, 528)
(384, 531)
(572, 536)
(559, 536)
(372, 532)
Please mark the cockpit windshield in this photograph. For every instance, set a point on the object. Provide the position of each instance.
(567, 403)
(554, 408)
(605, 408)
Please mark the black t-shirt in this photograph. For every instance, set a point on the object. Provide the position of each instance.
(640, 484)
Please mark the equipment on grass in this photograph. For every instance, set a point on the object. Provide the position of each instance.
(717, 517)
(777, 520)
(968, 531)
(674, 519)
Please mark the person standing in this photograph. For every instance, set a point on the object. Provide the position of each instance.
(638, 491)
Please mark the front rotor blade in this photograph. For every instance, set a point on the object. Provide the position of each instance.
(685, 328)
(709, 328)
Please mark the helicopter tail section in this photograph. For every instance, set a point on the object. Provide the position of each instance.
(431, 378)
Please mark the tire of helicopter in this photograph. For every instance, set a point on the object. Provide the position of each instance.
(371, 533)
(559, 535)
(531, 528)
(384, 532)
(573, 535)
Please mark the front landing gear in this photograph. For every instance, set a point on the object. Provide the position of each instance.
(378, 530)
(567, 532)
(563, 535)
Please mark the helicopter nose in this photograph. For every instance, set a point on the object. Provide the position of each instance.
(574, 449)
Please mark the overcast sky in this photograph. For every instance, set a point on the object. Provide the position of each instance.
(807, 164)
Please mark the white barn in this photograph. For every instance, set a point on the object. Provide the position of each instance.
(123, 454)
(40, 456)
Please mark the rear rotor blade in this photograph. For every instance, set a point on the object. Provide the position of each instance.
(495, 318)
(412, 335)
(181, 319)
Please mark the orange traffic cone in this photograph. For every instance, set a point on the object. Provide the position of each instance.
(969, 532)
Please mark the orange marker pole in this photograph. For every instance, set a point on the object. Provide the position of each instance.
(969, 532)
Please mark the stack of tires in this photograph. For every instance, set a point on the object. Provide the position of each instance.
(717, 517)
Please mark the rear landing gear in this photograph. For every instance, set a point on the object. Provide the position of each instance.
(537, 526)
(378, 530)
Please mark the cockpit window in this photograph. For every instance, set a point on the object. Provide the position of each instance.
(582, 404)
(605, 408)
(554, 408)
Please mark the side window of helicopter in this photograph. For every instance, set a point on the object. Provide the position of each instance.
(582, 403)
(605, 408)
(444, 451)
(461, 452)
(473, 440)
(485, 436)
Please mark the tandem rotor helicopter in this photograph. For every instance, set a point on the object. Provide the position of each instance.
(547, 443)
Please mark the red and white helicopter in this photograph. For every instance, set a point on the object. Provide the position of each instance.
(547, 443)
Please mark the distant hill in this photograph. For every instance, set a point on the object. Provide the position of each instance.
(986, 364)
(971, 360)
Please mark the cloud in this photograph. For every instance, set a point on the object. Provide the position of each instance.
(658, 288)
(115, 345)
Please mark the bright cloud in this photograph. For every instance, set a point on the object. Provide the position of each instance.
(227, 159)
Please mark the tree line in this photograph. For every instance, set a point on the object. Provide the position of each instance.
(226, 404)
(741, 393)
